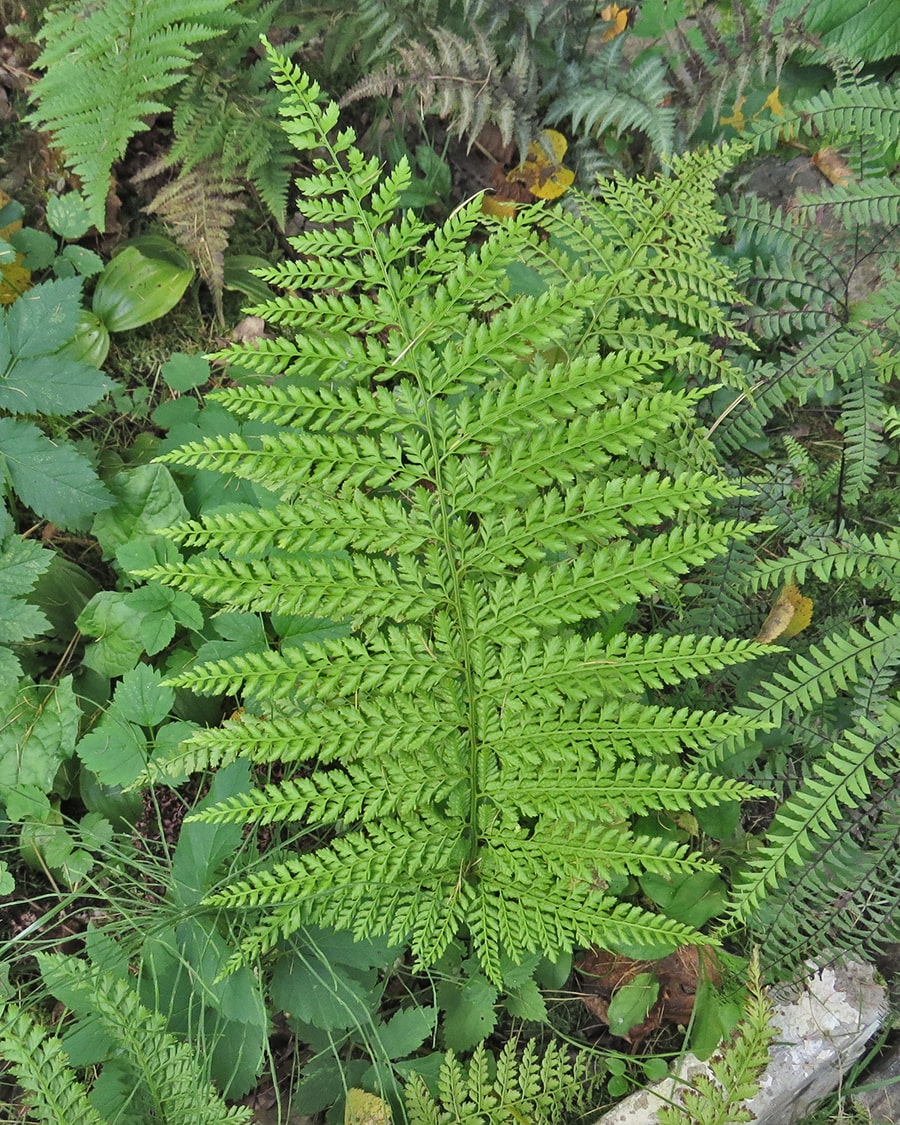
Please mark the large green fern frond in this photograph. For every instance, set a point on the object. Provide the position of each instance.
(469, 479)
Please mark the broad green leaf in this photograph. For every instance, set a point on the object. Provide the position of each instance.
(136, 288)
(183, 372)
(239, 995)
(68, 215)
(19, 621)
(142, 698)
(117, 628)
(203, 847)
(22, 561)
(85, 261)
(631, 1003)
(44, 318)
(37, 734)
(62, 592)
(312, 990)
(406, 1031)
(51, 384)
(141, 554)
(525, 1002)
(469, 1012)
(161, 609)
(852, 29)
(37, 247)
(693, 898)
(146, 500)
(53, 479)
(115, 750)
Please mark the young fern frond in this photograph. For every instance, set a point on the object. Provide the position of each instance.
(165, 1078)
(720, 1099)
(466, 483)
(41, 1067)
(543, 1090)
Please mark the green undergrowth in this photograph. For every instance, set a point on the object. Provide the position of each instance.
(359, 677)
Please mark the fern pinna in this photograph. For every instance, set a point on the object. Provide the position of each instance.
(463, 473)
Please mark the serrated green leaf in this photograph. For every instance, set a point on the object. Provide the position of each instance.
(117, 627)
(44, 318)
(68, 215)
(52, 384)
(147, 500)
(525, 1002)
(85, 262)
(406, 1031)
(854, 29)
(37, 247)
(142, 697)
(469, 1012)
(37, 734)
(327, 996)
(53, 479)
(115, 750)
(22, 562)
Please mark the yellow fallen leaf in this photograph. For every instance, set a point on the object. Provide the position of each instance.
(362, 1108)
(789, 615)
(773, 104)
(737, 119)
(831, 164)
(619, 20)
(15, 279)
(542, 171)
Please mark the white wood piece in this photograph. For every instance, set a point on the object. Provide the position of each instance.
(823, 1027)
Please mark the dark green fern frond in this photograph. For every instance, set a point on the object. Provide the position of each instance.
(107, 69)
(844, 780)
(861, 203)
(229, 115)
(875, 559)
(863, 407)
(827, 669)
(605, 94)
(842, 901)
(465, 487)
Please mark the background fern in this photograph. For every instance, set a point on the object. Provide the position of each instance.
(107, 68)
(147, 1073)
